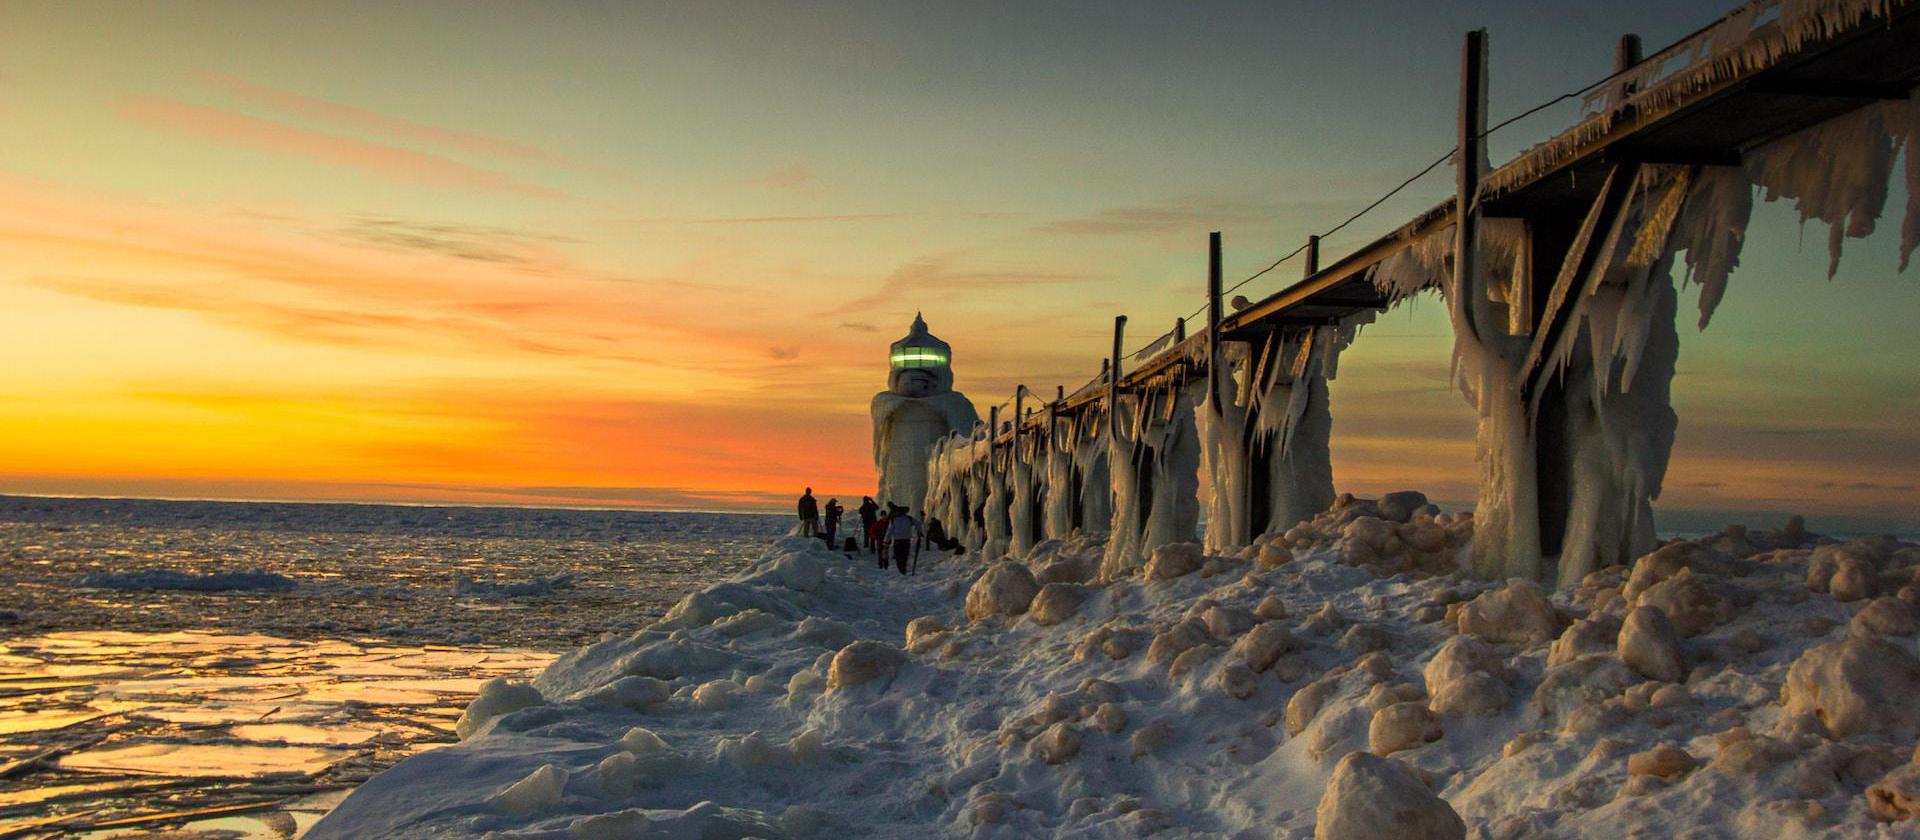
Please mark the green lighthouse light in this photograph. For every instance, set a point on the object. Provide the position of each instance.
(919, 357)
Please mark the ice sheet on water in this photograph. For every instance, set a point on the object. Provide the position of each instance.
(150, 579)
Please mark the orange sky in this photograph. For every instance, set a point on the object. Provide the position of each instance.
(646, 256)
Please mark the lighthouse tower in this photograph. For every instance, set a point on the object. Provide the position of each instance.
(918, 408)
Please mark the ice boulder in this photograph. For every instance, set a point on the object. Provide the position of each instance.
(1665, 761)
(1056, 602)
(671, 658)
(1401, 506)
(1401, 726)
(799, 572)
(1264, 645)
(1518, 612)
(1651, 646)
(498, 696)
(1594, 634)
(1466, 677)
(1696, 603)
(634, 692)
(863, 662)
(1057, 745)
(539, 791)
(1170, 643)
(1370, 797)
(1896, 797)
(1227, 622)
(1856, 686)
(823, 632)
(1005, 589)
(1067, 568)
(1174, 560)
(1885, 617)
(641, 741)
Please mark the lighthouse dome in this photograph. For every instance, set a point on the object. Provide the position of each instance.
(920, 364)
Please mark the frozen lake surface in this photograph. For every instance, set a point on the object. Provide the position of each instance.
(251, 662)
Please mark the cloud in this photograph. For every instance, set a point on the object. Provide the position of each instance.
(857, 326)
(479, 243)
(937, 273)
(1186, 215)
(387, 162)
(793, 177)
(779, 220)
(375, 122)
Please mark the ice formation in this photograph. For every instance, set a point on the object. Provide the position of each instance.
(1574, 422)
(918, 409)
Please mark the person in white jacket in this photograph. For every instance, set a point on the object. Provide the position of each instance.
(902, 531)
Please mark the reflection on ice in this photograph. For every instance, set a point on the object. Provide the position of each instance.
(206, 760)
(193, 728)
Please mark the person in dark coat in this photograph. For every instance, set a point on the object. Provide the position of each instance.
(833, 512)
(809, 514)
(937, 536)
(879, 534)
(869, 514)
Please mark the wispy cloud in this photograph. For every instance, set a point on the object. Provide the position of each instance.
(362, 119)
(939, 273)
(382, 161)
(1181, 215)
(480, 243)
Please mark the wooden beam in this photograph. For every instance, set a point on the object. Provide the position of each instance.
(1113, 380)
(1213, 320)
(1467, 154)
(1625, 153)
(1580, 268)
(1834, 89)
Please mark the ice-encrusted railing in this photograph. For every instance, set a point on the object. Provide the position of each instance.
(1755, 37)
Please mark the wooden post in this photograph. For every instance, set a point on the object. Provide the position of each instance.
(1179, 330)
(993, 436)
(1019, 403)
(1313, 256)
(1213, 321)
(1473, 124)
(1113, 379)
(1626, 54)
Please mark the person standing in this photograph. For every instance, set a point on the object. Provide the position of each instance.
(809, 514)
(869, 514)
(833, 511)
(878, 537)
(902, 531)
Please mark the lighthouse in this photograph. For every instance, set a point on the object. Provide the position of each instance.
(918, 408)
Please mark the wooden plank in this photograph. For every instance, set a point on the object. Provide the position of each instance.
(1582, 268)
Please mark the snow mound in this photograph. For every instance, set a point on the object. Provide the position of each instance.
(1703, 689)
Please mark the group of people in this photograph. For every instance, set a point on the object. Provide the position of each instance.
(892, 533)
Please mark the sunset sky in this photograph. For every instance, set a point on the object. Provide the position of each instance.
(653, 254)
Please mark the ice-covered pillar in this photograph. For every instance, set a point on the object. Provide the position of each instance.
(918, 408)
(1293, 428)
(1061, 491)
(1130, 470)
(1222, 425)
(1021, 458)
(976, 508)
(1173, 511)
(1506, 537)
(1092, 479)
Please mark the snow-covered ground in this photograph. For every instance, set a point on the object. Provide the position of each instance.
(1763, 686)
